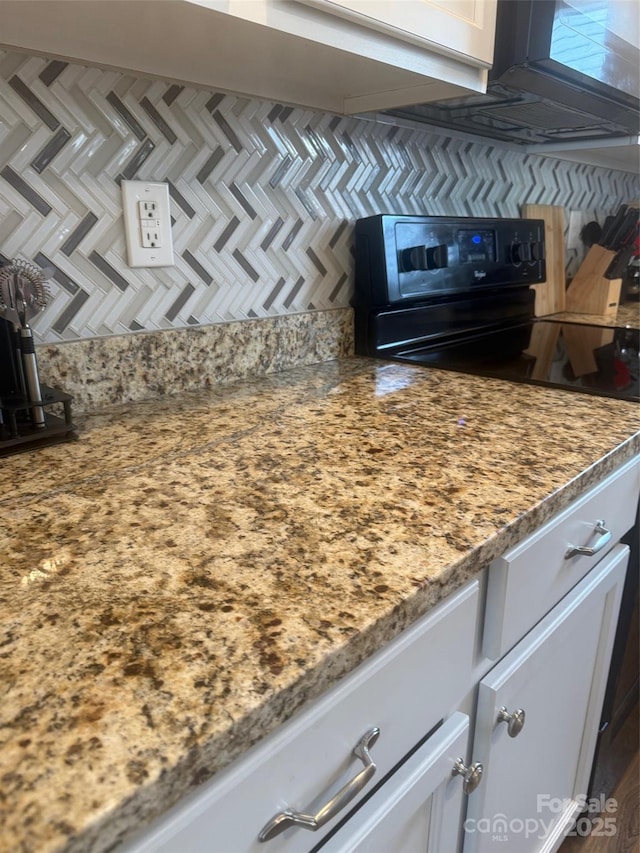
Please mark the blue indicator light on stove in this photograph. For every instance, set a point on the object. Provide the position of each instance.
(476, 239)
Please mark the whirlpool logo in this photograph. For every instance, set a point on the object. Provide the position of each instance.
(479, 274)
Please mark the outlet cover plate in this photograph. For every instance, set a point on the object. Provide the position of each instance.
(139, 255)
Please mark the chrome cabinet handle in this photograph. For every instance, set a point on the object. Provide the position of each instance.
(284, 819)
(583, 551)
(514, 721)
(471, 775)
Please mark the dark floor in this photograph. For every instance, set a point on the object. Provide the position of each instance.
(624, 765)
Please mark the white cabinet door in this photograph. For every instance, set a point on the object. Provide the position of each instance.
(557, 675)
(418, 808)
(465, 28)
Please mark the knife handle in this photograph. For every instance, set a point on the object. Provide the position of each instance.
(31, 377)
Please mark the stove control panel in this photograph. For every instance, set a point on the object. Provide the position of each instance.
(415, 258)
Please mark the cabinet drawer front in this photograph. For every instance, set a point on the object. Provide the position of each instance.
(527, 581)
(404, 690)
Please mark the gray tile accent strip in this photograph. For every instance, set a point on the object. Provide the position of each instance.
(135, 326)
(182, 299)
(171, 94)
(21, 89)
(138, 159)
(352, 148)
(76, 237)
(210, 165)
(271, 298)
(316, 142)
(52, 71)
(242, 201)
(291, 236)
(338, 232)
(246, 266)
(21, 186)
(293, 292)
(53, 147)
(61, 277)
(180, 200)
(316, 261)
(214, 100)
(336, 290)
(271, 234)
(228, 131)
(111, 273)
(285, 113)
(308, 206)
(223, 239)
(281, 171)
(126, 115)
(70, 311)
(274, 112)
(158, 120)
(197, 267)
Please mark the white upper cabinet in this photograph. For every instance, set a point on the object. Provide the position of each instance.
(464, 28)
(344, 57)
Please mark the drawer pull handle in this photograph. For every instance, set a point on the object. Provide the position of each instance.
(514, 721)
(352, 788)
(583, 551)
(471, 775)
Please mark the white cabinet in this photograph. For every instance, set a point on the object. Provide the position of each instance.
(457, 27)
(554, 679)
(285, 50)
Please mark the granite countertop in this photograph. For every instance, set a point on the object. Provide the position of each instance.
(192, 571)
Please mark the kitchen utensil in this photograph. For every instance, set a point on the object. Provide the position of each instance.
(591, 233)
(624, 244)
(33, 282)
(610, 232)
(23, 292)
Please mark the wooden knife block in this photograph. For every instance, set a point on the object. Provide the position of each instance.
(590, 292)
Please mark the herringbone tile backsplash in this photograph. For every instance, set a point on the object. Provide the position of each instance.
(263, 196)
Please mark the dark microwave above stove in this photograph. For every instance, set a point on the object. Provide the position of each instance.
(454, 293)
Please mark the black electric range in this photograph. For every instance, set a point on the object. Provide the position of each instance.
(454, 293)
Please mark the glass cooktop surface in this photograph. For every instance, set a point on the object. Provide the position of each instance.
(601, 360)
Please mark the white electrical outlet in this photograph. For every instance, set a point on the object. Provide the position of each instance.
(147, 224)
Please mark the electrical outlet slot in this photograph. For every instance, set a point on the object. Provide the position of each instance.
(151, 238)
(148, 209)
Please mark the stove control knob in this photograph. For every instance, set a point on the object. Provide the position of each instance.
(424, 258)
(520, 252)
(437, 257)
(537, 251)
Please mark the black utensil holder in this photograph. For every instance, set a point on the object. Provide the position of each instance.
(17, 431)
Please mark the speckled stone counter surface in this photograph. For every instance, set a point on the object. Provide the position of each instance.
(187, 575)
(104, 371)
